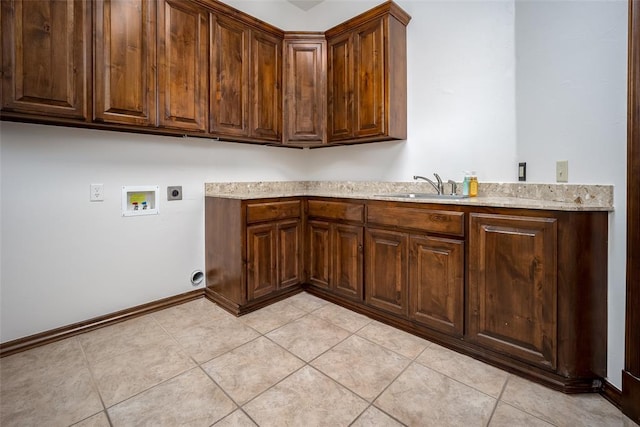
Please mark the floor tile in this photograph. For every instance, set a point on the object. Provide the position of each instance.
(114, 340)
(179, 319)
(508, 416)
(340, 316)
(307, 302)
(62, 395)
(236, 419)
(306, 398)
(308, 337)
(273, 316)
(422, 396)
(394, 339)
(465, 369)
(362, 366)
(375, 417)
(98, 420)
(205, 341)
(559, 408)
(130, 373)
(252, 368)
(190, 399)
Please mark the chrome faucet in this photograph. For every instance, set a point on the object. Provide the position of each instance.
(454, 186)
(439, 186)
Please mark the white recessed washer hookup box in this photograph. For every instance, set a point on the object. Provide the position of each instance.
(140, 200)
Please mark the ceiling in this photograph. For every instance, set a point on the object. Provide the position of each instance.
(305, 4)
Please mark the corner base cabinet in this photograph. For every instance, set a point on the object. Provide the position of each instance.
(253, 251)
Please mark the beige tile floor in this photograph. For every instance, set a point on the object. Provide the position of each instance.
(299, 362)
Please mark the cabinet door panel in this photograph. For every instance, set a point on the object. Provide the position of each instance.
(182, 65)
(512, 286)
(261, 260)
(229, 77)
(266, 77)
(347, 253)
(340, 82)
(386, 270)
(45, 55)
(289, 253)
(125, 78)
(370, 84)
(304, 101)
(436, 283)
(318, 250)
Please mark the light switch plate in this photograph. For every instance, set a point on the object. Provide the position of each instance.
(562, 171)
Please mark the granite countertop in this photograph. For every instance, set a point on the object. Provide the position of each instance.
(559, 197)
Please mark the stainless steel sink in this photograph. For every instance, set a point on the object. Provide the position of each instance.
(424, 196)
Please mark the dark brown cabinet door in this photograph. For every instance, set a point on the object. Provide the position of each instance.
(266, 82)
(229, 114)
(125, 62)
(318, 253)
(347, 260)
(45, 57)
(340, 85)
(305, 96)
(261, 260)
(436, 283)
(183, 65)
(512, 286)
(387, 254)
(369, 52)
(289, 253)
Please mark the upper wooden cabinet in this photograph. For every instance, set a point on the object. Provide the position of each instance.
(229, 113)
(305, 97)
(246, 79)
(367, 94)
(125, 62)
(46, 57)
(183, 65)
(266, 86)
(202, 68)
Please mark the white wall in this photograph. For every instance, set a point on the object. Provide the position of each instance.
(571, 105)
(65, 259)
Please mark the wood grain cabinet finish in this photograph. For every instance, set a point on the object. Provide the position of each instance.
(229, 114)
(266, 86)
(246, 80)
(46, 57)
(125, 62)
(513, 286)
(436, 283)
(183, 65)
(254, 251)
(367, 72)
(386, 270)
(336, 247)
(305, 104)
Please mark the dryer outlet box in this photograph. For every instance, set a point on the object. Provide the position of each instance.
(174, 193)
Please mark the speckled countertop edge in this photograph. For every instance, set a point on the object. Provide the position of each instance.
(561, 197)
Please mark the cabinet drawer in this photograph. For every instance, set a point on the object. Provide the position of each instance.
(257, 212)
(433, 221)
(343, 211)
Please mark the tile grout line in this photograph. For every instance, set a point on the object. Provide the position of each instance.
(94, 382)
(495, 405)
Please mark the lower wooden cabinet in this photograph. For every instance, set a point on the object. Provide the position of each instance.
(254, 251)
(335, 257)
(513, 286)
(436, 283)
(387, 256)
(524, 290)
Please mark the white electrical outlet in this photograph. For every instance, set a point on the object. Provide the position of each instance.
(562, 171)
(96, 192)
